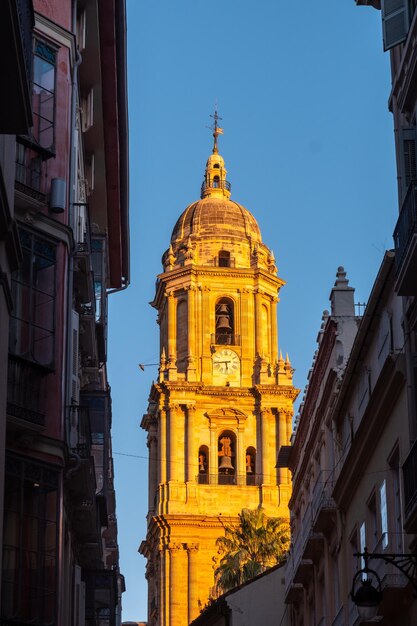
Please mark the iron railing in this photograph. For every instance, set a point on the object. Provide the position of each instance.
(81, 229)
(82, 443)
(215, 184)
(227, 479)
(407, 223)
(225, 339)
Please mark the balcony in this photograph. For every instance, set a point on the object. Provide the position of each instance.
(393, 581)
(81, 445)
(30, 178)
(323, 505)
(26, 390)
(228, 479)
(410, 490)
(405, 241)
(215, 184)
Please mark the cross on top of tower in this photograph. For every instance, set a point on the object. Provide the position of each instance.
(216, 129)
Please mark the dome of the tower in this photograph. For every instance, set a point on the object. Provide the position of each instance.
(215, 217)
(215, 230)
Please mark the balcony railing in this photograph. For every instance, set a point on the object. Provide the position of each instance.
(26, 388)
(215, 184)
(81, 228)
(227, 479)
(225, 339)
(407, 223)
(410, 481)
(82, 443)
(30, 176)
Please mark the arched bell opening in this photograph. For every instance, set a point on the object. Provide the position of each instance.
(203, 465)
(226, 451)
(250, 459)
(225, 325)
(216, 181)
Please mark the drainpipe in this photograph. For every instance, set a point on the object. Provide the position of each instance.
(62, 586)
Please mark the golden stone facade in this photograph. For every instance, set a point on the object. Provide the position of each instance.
(223, 403)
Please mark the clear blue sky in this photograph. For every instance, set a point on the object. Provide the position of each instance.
(302, 88)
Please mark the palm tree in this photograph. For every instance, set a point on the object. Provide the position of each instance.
(248, 549)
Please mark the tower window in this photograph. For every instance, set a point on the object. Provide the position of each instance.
(203, 464)
(227, 455)
(224, 258)
(250, 465)
(224, 322)
(217, 165)
(216, 181)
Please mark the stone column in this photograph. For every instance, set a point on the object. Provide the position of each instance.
(266, 470)
(178, 609)
(172, 348)
(192, 448)
(191, 369)
(213, 457)
(282, 441)
(258, 322)
(288, 419)
(164, 564)
(241, 456)
(274, 330)
(153, 468)
(176, 444)
(208, 327)
(193, 608)
(162, 446)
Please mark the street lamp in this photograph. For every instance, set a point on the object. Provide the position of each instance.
(365, 595)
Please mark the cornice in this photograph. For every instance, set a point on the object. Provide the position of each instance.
(257, 392)
(196, 272)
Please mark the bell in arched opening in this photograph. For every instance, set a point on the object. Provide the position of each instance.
(224, 324)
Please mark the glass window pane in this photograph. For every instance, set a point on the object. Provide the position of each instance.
(43, 75)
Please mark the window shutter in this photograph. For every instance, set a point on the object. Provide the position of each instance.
(408, 156)
(75, 379)
(395, 22)
(79, 597)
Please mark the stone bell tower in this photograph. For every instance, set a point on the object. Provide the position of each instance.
(223, 403)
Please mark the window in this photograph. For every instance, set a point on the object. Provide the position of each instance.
(373, 523)
(408, 158)
(250, 466)
(395, 513)
(395, 22)
(203, 465)
(30, 543)
(43, 94)
(227, 456)
(224, 322)
(383, 511)
(224, 258)
(32, 325)
(362, 543)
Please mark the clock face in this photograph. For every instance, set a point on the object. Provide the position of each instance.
(226, 361)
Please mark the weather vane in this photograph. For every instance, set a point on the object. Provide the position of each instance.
(216, 128)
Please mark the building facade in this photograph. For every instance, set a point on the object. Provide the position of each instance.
(223, 402)
(350, 441)
(258, 601)
(64, 246)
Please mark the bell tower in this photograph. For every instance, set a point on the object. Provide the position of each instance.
(223, 402)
